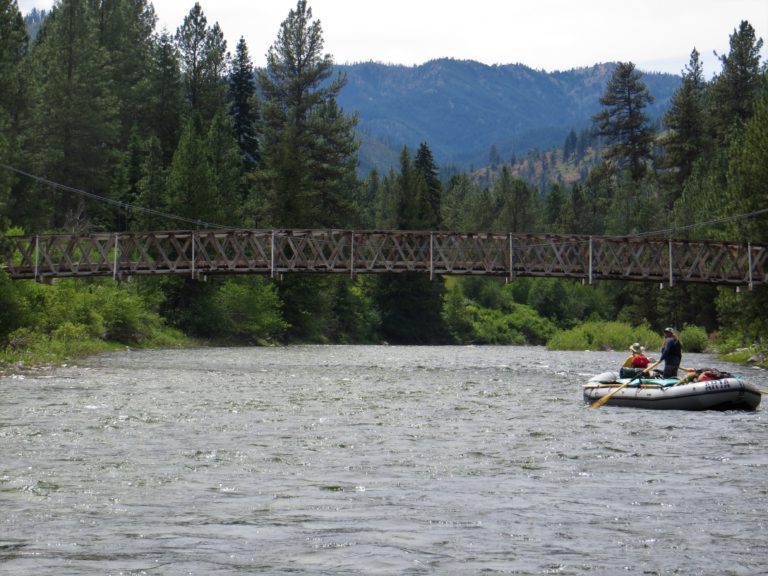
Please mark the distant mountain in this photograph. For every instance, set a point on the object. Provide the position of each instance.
(462, 109)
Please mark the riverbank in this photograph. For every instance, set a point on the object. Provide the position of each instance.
(46, 353)
(36, 353)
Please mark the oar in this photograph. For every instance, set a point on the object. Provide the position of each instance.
(600, 401)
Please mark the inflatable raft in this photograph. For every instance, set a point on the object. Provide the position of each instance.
(702, 390)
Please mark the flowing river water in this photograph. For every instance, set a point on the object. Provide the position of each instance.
(346, 460)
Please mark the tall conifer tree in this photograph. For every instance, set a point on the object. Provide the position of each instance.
(125, 31)
(684, 143)
(425, 165)
(242, 105)
(411, 304)
(165, 107)
(75, 124)
(13, 45)
(308, 159)
(191, 182)
(622, 120)
(308, 145)
(203, 58)
(738, 84)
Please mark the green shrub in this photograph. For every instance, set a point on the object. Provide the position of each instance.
(694, 339)
(73, 317)
(604, 336)
(515, 324)
(494, 327)
(14, 309)
(456, 315)
(249, 308)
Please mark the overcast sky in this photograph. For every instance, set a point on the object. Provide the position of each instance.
(657, 35)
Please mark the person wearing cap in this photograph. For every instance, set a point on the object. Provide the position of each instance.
(671, 353)
(635, 363)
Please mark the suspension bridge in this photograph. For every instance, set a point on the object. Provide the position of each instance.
(200, 253)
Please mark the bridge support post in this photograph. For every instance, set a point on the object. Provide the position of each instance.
(193, 255)
(117, 248)
(352, 255)
(272, 256)
(749, 260)
(590, 261)
(431, 255)
(37, 258)
(511, 275)
(671, 275)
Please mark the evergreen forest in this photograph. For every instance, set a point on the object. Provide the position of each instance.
(107, 124)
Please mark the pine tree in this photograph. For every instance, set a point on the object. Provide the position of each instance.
(748, 175)
(307, 177)
(425, 165)
(569, 147)
(454, 207)
(685, 141)
(191, 181)
(411, 304)
(74, 127)
(151, 189)
(622, 120)
(125, 31)
(554, 206)
(242, 105)
(224, 158)
(166, 99)
(13, 46)
(517, 204)
(203, 63)
(736, 87)
(308, 146)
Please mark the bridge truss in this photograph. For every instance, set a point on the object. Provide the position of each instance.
(277, 252)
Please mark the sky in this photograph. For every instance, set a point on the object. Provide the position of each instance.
(657, 35)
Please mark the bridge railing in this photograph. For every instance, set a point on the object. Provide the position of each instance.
(353, 252)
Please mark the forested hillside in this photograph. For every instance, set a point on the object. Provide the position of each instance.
(109, 124)
(465, 109)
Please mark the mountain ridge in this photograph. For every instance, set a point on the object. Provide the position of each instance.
(463, 108)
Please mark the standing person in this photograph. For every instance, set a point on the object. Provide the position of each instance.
(635, 363)
(671, 353)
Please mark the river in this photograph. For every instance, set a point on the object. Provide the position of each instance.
(347, 460)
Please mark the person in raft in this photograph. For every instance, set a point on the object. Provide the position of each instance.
(671, 353)
(635, 363)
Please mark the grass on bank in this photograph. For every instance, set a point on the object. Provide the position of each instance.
(619, 336)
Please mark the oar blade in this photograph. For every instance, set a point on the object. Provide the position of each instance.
(603, 399)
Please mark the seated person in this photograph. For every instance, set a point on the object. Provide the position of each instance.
(635, 363)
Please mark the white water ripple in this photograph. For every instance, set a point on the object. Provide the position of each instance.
(344, 460)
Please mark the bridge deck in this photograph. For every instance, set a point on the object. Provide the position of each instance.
(350, 252)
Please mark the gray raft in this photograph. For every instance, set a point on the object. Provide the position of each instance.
(731, 393)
